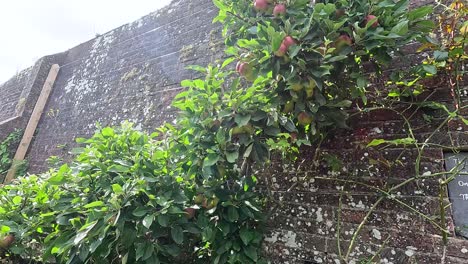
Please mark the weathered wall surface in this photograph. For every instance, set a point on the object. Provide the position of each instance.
(132, 72)
(11, 92)
(18, 97)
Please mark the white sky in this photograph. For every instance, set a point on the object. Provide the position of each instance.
(31, 29)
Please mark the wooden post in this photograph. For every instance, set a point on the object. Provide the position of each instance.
(33, 122)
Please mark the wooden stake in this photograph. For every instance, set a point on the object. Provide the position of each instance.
(33, 122)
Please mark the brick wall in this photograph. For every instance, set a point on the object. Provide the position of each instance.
(10, 94)
(132, 73)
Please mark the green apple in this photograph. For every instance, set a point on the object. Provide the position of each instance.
(213, 203)
(310, 87)
(297, 87)
(288, 107)
(199, 199)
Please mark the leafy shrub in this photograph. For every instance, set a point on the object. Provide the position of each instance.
(120, 201)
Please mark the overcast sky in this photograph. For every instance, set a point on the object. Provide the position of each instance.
(31, 29)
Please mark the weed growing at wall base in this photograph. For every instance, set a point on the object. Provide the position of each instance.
(6, 152)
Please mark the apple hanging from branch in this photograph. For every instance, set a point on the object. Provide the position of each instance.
(261, 5)
(282, 50)
(279, 10)
(246, 70)
(287, 42)
(7, 242)
(305, 118)
(370, 18)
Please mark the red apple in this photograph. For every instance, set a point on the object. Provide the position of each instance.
(238, 65)
(339, 13)
(190, 213)
(369, 18)
(282, 50)
(7, 242)
(261, 5)
(305, 118)
(345, 39)
(246, 70)
(293, 137)
(242, 67)
(279, 10)
(289, 41)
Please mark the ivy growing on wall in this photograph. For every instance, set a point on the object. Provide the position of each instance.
(188, 192)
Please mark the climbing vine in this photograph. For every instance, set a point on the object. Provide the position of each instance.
(189, 192)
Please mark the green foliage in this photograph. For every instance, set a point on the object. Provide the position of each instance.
(124, 199)
(335, 41)
(187, 192)
(6, 151)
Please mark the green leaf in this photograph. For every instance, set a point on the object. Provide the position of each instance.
(249, 204)
(153, 259)
(441, 55)
(184, 83)
(232, 157)
(401, 28)
(276, 39)
(246, 235)
(5, 229)
(431, 69)
(148, 221)
(149, 250)
(140, 211)
(163, 220)
(420, 12)
(465, 121)
(57, 179)
(17, 200)
(233, 215)
(118, 169)
(140, 250)
(227, 62)
(242, 120)
(84, 232)
(376, 142)
(210, 160)
(251, 252)
(425, 26)
(117, 188)
(108, 132)
(219, 4)
(177, 234)
(94, 204)
(125, 259)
